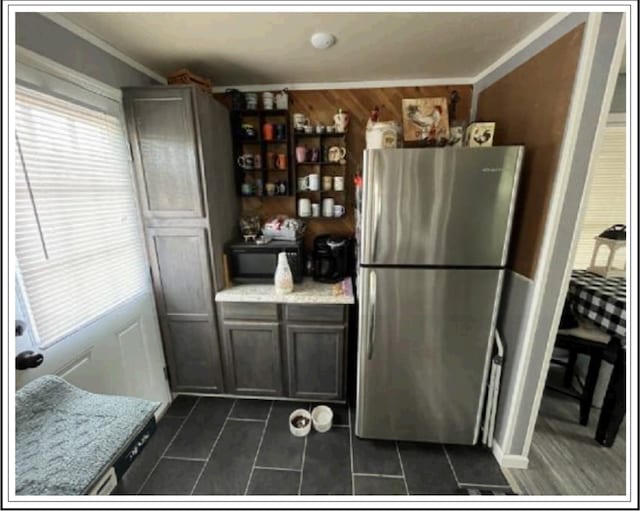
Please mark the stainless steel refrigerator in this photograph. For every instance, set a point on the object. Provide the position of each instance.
(433, 230)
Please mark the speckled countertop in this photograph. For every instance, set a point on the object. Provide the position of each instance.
(309, 291)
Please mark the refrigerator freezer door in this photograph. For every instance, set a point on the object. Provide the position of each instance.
(423, 352)
(440, 206)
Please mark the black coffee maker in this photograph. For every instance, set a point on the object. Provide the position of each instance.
(330, 258)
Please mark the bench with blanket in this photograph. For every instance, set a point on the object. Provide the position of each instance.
(73, 442)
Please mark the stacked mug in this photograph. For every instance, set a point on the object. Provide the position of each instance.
(267, 100)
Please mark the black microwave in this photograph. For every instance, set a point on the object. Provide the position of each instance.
(250, 262)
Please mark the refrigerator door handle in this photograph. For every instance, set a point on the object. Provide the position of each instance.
(372, 308)
(377, 204)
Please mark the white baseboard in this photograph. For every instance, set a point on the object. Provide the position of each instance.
(508, 460)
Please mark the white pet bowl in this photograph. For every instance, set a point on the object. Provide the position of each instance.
(300, 431)
(322, 418)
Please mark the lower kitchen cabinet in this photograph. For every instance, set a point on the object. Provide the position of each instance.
(278, 350)
(252, 358)
(315, 361)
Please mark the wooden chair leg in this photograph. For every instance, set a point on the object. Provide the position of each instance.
(614, 405)
(589, 387)
(571, 365)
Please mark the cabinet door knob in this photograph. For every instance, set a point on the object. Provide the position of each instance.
(28, 360)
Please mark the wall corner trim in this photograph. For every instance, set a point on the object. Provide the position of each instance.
(521, 45)
(508, 460)
(67, 24)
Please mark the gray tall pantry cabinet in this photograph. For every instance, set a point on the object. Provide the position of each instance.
(182, 152)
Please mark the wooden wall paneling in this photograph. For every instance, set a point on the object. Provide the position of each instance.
(320, 106)
(530, 107)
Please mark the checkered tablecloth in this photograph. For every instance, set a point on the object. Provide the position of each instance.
(603, 300)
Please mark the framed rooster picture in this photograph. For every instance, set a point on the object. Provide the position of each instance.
(479, 134)
(425, 120)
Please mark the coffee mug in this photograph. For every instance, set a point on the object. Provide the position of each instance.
(327, 207)
(313, 182)
(308, 129)
(281, 133)
(248, 130)
(302, 184)
(267, 100)
(245, 161)
(338, 183)
(326, 183)
(257, 161)
(270, 189)
(304, 207)
(281, 161)
(299, 122)
(251, 100)
(315, 209)
(338, 210)
(320, 128)
(301, 154)
(336, 153)
(246, 189)
(267, 131)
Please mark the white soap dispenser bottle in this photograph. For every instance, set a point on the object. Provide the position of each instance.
(283, 279)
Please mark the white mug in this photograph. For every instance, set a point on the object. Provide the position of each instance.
(338, 183)
(299, 122)
(315, 209)
(338, 210)
(327, 207)
(302, 184)
(267, 100)
(304, 207)
(313, 182)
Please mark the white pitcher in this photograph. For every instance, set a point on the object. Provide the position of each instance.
(341, 121)
(282, 100)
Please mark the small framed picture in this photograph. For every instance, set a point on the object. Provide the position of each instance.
(425, 120)
(479, 134)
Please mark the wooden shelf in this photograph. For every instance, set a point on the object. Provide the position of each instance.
(261, 113)
(258, 145)
(322, 163)
(298, 134)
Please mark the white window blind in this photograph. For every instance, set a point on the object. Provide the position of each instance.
(78, 238)
(606, 202)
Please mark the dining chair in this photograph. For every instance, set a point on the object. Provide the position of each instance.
(579, 336)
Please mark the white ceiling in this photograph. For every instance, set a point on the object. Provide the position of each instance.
(262, 48)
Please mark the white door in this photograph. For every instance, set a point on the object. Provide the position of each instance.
(82, 280)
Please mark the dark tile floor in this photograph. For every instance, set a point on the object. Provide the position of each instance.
(219, 446)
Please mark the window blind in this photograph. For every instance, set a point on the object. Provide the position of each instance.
(78, 237)
(606, 202)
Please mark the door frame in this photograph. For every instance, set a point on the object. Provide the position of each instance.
(591, 100)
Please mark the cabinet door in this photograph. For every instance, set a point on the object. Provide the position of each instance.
(252, 358)
(315, 361)
(162, 131)
(182, 282)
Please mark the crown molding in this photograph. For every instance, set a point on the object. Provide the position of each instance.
(34, 60)
(364, 84)
(103, 45)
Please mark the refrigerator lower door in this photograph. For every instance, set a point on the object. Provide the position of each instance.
(424, 345)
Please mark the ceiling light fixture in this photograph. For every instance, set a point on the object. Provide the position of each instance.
(323, 40)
